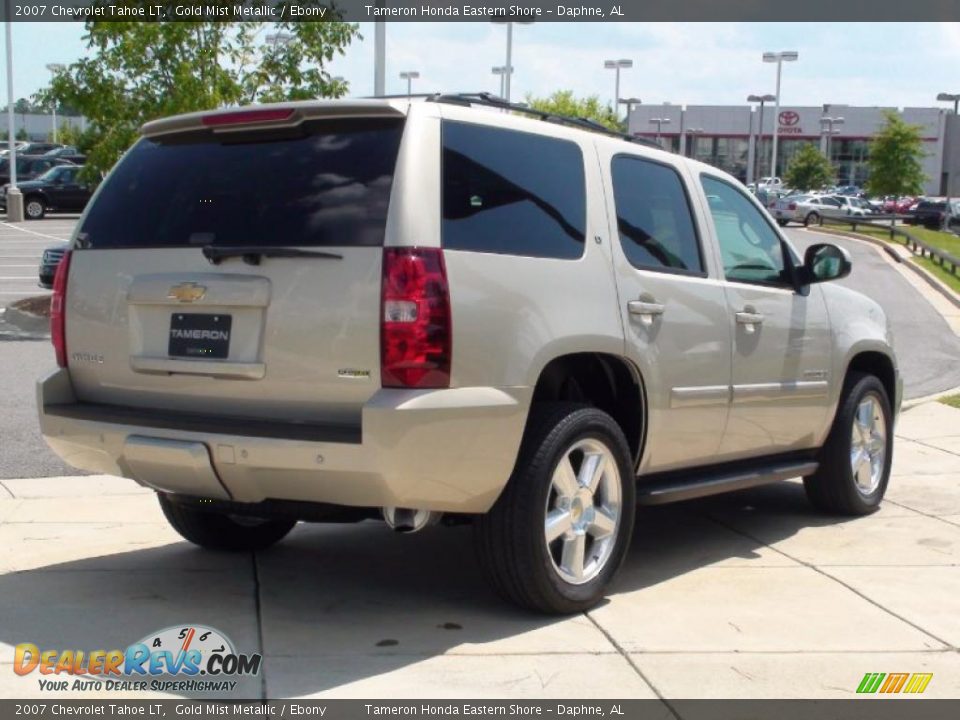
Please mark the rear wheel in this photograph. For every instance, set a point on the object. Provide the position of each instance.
(560, 530)
(782, 223)
(219, 531)
(812, 219)
(856, 459)
(34, 208)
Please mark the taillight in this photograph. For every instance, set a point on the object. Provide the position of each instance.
(792, 206)
(415, 329)
(58, 310)
(245, 117)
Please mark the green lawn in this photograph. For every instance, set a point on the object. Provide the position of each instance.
(951, 400)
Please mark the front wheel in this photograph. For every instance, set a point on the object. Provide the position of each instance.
(219, 531)
(811, 219)
(34, 208)
(560, 530)
(856, 459)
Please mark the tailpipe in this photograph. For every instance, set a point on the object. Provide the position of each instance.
(405, 520)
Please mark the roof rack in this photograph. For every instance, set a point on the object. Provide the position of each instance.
(490, 100)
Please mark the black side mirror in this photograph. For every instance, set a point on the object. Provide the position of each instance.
(825, 261)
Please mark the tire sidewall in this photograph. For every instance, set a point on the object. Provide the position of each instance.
(590, 424)
(33, 200)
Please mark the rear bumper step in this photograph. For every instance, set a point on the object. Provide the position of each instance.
(681, 486)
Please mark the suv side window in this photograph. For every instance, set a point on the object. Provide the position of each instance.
(653, 217)
(750, 249)
(512, 192)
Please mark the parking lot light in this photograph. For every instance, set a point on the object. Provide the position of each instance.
(660, 122)
(616, 66)
(409, 76)
(509, 63)
(950, 97)
(55, 68)
(14, 198)
(827, 129)
(502, 71)
(693, 133)
(779, 58)
(762, 99)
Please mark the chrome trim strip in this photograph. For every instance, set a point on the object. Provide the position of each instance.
(699, 396)
(764, 392)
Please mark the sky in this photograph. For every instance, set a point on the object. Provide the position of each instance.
(889, 64)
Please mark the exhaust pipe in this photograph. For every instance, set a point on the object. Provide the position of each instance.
(405, 520)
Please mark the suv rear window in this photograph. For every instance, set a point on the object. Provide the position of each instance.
(512, 192)
(325, 183)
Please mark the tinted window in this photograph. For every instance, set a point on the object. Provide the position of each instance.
(325, 183)
(653, 216)
(750, 249)
(512, 192)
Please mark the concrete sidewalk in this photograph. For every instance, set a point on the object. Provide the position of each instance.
(752, 595)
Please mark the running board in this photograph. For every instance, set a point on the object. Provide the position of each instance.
(688, 485)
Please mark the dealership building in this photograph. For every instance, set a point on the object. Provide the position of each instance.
(731, 137)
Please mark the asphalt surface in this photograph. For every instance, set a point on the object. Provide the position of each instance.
(927, 349)
(21, 246)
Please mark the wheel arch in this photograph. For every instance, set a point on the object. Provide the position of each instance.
(609, 382)
(881, 366)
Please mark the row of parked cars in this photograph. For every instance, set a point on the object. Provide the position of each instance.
(47, 176)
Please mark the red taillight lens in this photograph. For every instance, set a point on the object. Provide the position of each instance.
(792, 206)
(58, 310)
(415, 328)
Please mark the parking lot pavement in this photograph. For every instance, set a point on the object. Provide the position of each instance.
(21, 245)
(749, 595)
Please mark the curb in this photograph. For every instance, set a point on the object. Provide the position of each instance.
(910, 404)
(929, 277)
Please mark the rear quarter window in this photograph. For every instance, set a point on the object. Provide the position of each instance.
(325, 183)
(512, 192)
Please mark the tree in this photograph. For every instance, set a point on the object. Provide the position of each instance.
(809, 169)
(563, 102)
(140, 71)
(895, 159)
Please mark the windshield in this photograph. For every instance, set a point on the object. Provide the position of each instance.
(52, 174)
(324, 183)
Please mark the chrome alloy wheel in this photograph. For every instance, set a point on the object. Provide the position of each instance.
(583, 511)
(868, 444)
(34, 209)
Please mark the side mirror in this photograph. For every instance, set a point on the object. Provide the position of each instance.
(825, 261)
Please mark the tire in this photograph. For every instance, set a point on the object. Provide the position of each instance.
(835, 488)
(521, 564)
(782, 223)
(217, 531)
(33, 208)
(811, 219)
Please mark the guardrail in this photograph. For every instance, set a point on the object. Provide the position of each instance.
(913, 243)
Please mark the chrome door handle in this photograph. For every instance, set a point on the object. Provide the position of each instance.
(750, 319)
(642, 307)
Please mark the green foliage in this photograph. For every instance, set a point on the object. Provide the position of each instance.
(895, 159)
(22, 134)
(140, 71)
(563, 102)
(809, 169)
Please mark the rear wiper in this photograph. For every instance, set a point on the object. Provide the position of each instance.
(252, 254)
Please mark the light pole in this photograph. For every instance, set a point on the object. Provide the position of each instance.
(509, 64)
(616, 66)
(826, 128)
(55, 68)
(502, 71)
(762, 99)
(379, 56)
(950, 97)
(629, 102)
(409, 76)
(14, 198)
(278, 38)
(660, 121)
(693, 132)
(779, 58)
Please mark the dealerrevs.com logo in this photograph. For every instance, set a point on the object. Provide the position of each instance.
(185, 658)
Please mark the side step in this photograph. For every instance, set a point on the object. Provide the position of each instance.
(687, 485)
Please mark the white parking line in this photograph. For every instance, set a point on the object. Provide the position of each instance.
(31, 232)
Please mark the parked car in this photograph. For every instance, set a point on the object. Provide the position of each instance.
(853, 205)
(29, 167)
(58, 190)
(769, 183)
(48, 264)
(68, 152)
(37, 148)
(289, 328)
(929, 212)
(809, 209)
(848, 190)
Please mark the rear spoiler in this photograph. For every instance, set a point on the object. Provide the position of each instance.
(274, 115)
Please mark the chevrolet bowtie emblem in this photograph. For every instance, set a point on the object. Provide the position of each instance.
(187, 292)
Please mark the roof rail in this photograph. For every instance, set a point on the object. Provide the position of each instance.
(490, 100)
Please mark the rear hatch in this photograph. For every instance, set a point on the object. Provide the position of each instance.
(231, 267)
